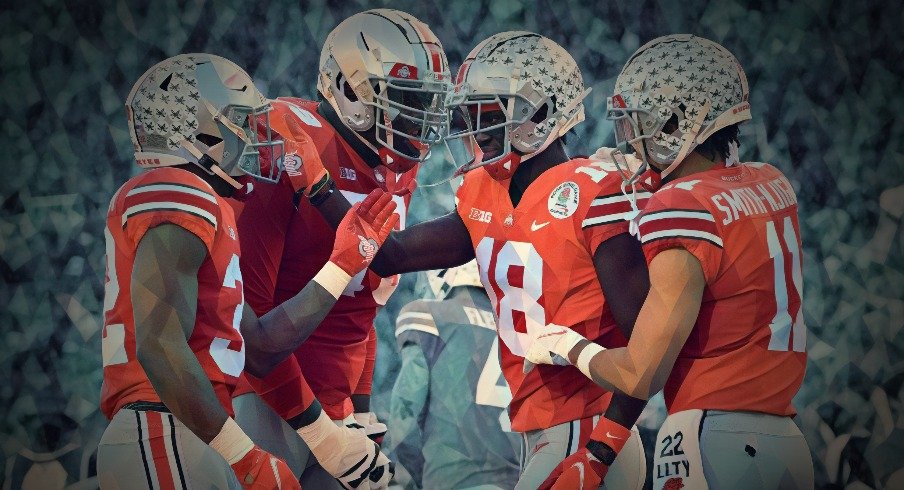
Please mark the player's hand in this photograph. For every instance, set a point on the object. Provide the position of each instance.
(355, 461)
(626, 162)
(373, 428)
(581, 470)
(261, 470)
(362, 231)
(302, 163)
(549, 344)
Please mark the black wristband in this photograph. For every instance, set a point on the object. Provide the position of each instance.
(325, 191)
(316, 187)
(601, 451)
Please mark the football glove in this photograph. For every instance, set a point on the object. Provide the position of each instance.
(362, 231)
(261, 470)
(348, 455)
(254, 467)
(584, 469)
(302, 164)
(373, 428)
(549, 344)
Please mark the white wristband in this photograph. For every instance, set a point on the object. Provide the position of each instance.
(317, 431)
(333, 279)
(585, 356)
(232, 443)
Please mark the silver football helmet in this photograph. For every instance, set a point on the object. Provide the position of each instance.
(203, 109)
(694, 83)
(518, 85)
(386, 75)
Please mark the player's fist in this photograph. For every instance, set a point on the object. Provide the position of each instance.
(302, 164)
(354, 460)
(549, 344)
(362, 231)
(581, 470)
(261, 470)
(373, 428)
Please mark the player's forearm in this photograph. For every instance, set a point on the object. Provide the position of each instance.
(182, 385)
(333, 207)
(436, 244)
(613, 370)
(663, 325)
(278, 333)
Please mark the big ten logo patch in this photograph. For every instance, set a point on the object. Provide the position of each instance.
(480, 215)
(347, 173)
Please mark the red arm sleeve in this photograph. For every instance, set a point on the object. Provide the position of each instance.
(365, 382)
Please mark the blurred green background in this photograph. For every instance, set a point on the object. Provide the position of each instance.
(826, 78)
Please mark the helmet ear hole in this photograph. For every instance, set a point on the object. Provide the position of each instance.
(671, 125)
(542, 113)
(208, 139)
(346, 88)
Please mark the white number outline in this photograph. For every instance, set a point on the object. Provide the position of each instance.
(784, 329)
(524, 299)
(489, 392)
(113, 340)
(231, 362)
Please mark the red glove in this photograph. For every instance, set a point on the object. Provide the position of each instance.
(261, 470)
(583, 470)
(302, 163)
(362, 231)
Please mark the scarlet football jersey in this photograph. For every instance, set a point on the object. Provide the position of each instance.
(747, 350)
(155, 197)
(285, 247)
(536, 263)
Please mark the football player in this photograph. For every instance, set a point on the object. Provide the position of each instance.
(722, 328)
(448, 424)
(551, 236)
(382, 78)
(176, 334)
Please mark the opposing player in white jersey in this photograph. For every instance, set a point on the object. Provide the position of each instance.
(448, 425)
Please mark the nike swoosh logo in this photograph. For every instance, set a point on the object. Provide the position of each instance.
(539, 446)
(244, 88)
(609, 435)
(534, 226)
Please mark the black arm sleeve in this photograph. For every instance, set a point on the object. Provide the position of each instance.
(622, 272)
(436, 244)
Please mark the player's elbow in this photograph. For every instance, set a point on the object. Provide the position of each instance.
(635, 387)
(647, 383)
(258, 368)
(259, 363)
